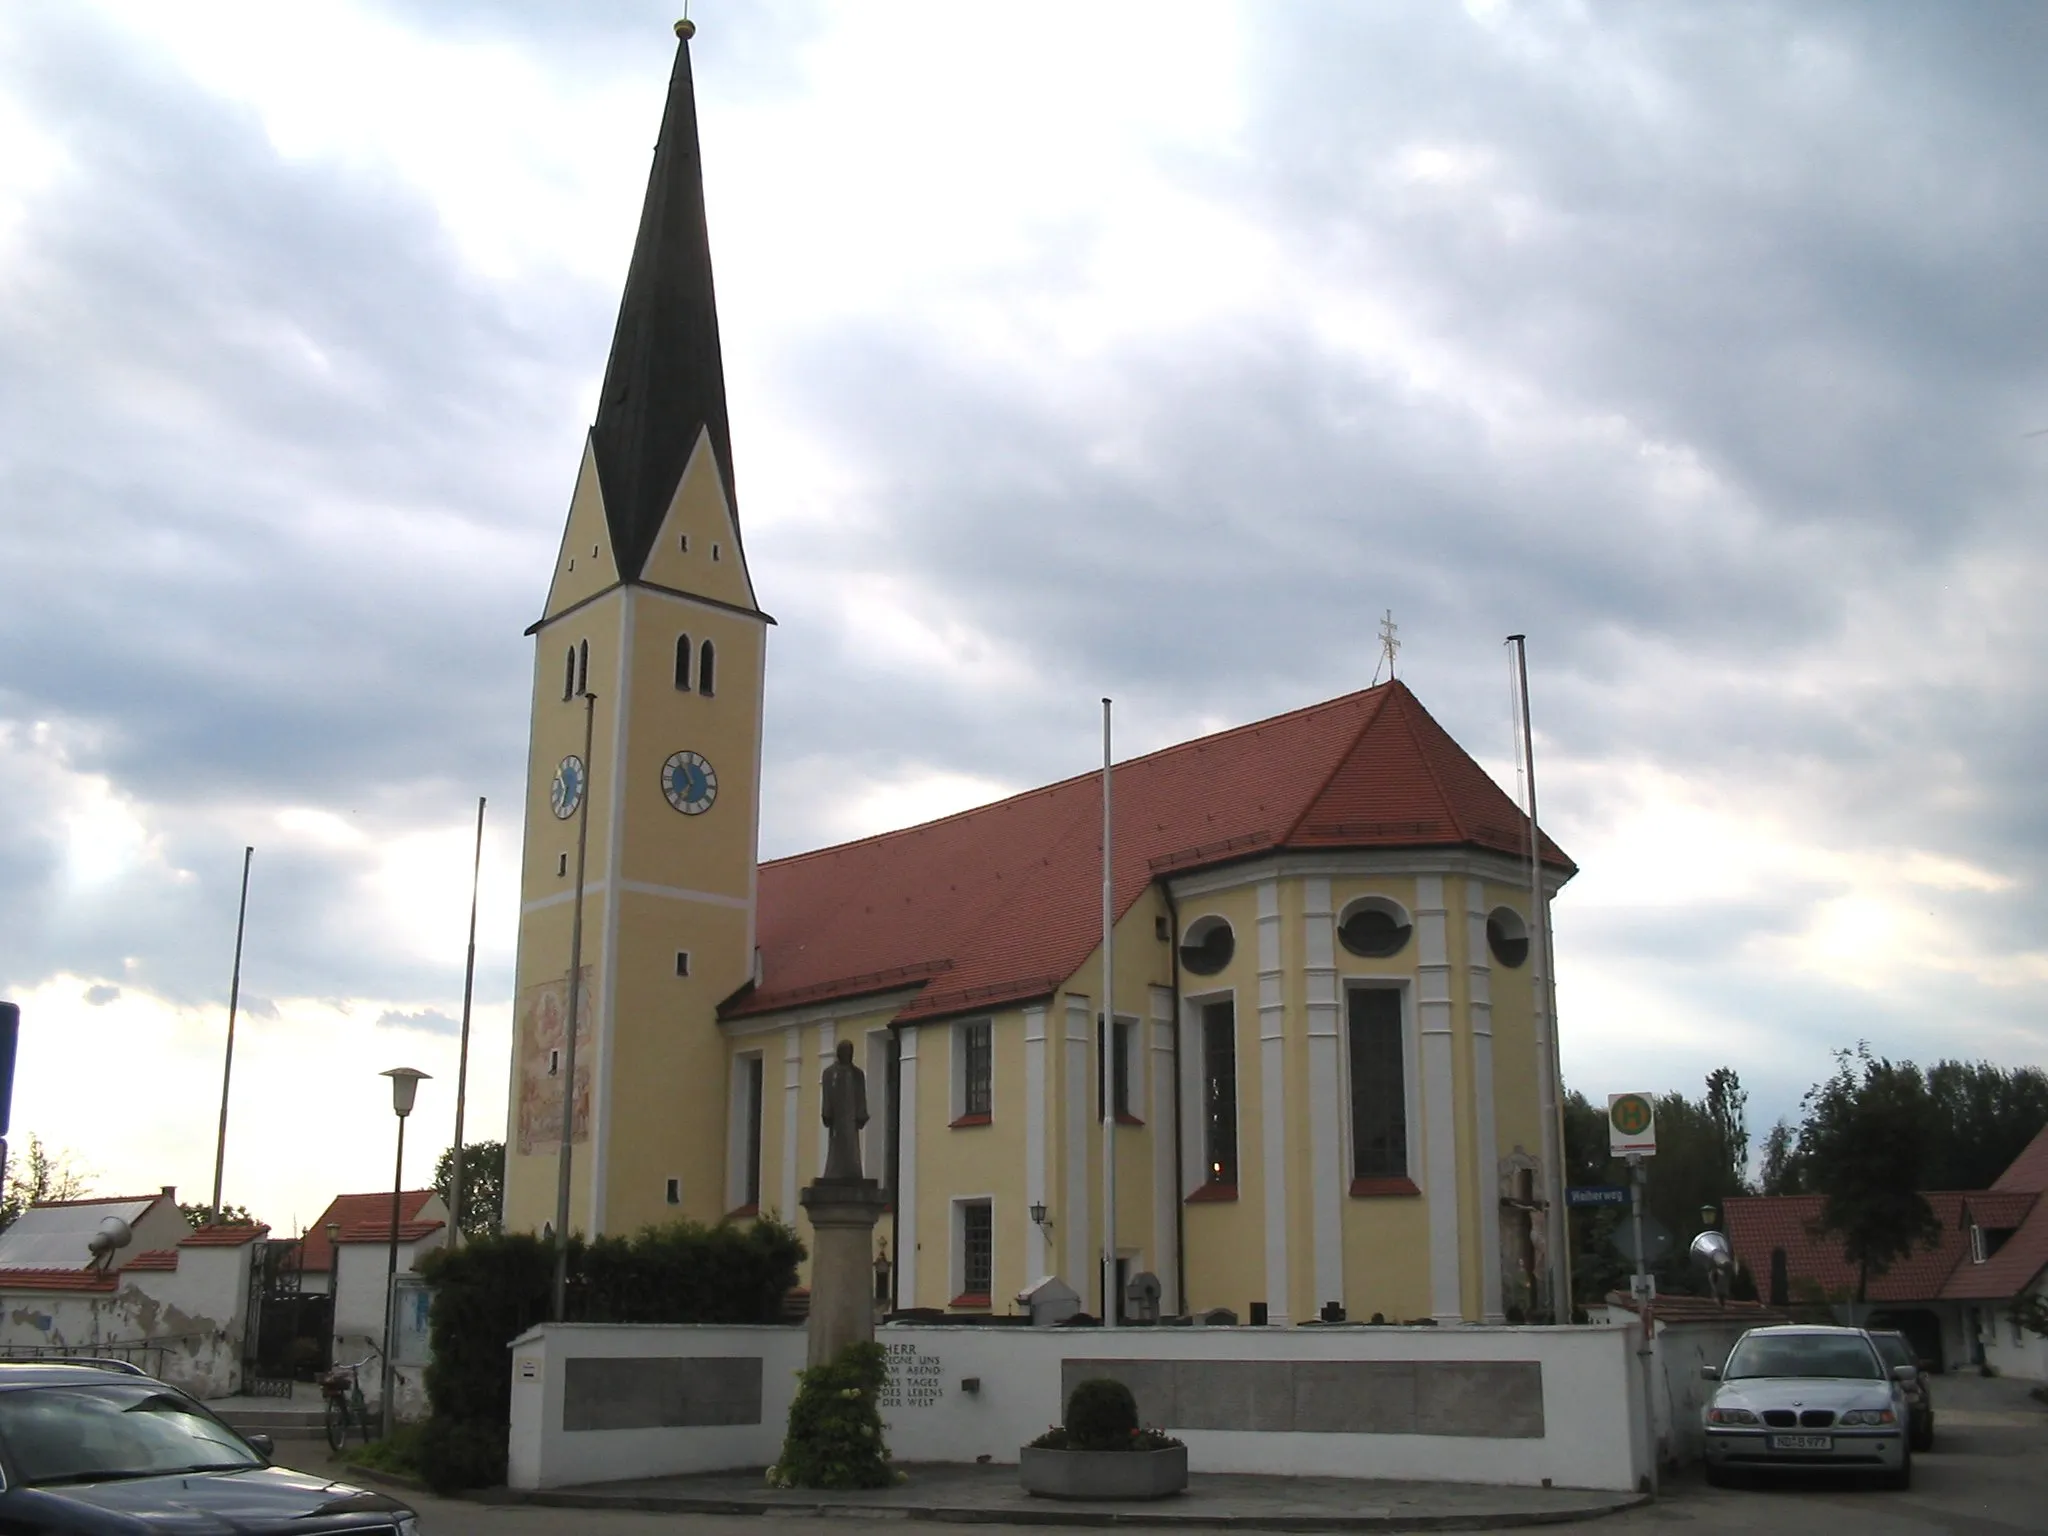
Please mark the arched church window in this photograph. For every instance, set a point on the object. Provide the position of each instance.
(569, 674)
(683, 663)
(707, 670)
(1208, 946)
(1374, 927)
(1507, 936)
(583, 666)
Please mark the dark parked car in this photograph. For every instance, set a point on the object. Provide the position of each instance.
(1897, 1350)
(98, 1449)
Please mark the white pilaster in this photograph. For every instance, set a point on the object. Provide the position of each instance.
(1037, 1260)
(608, 973)
(906, 1171)
(1439, 1117)
(1164, 1110)
(828, 1042)
(792, 1107)
(1485, 1177)
(1325, 1085)
(1273, 1100)
(1076, 1220)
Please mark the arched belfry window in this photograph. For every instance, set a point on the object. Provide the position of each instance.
(569, 674)
(707, 670)
(583, 666)
(683, 663)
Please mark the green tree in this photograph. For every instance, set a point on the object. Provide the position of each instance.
(1727, 1107)
(1868, 1134)
(1984, 1116)
(1784, 1169)
(36, 1174)
(197, 1211)
(483, 1185)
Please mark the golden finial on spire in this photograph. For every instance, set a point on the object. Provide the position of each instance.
(686, 29)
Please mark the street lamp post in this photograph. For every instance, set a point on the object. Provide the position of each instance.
(405, 1085)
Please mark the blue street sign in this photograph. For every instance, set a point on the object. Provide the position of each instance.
(1596, 1194)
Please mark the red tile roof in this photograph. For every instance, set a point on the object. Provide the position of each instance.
(380, 1231)
(155, 1258)
(226, 1234)
(2019, 1259)
(2029, 1171)
(1757, 1224)
(1704, 1309)
(316, 1254)
(55, 1280)
(1003, 902)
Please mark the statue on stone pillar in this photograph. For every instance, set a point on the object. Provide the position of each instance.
(844, 1105)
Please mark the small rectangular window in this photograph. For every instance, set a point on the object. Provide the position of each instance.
(682, 962)
(684, 543)
(675, 1191)
(1119, 1067)
(751, 1087)
(561, 864)
(1379, 1091)
(976, 1096)
(1219, 1093)
(1977, 1253)
(714, 551)
(554, 1063)
(977, 1251)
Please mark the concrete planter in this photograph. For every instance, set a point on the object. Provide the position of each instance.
(1103, 1474)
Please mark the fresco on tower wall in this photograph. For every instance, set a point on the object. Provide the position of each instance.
(542, 1010)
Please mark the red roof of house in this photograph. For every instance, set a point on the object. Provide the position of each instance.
(1704, 1309)
(316, 1253)
(1003, 903)
(2019, 1259)
(2029, 1171)
(55, 1280)
(155, 1258)
(225, 1234)
(1758, 1223)
(380, 1231)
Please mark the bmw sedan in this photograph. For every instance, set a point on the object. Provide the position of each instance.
(1806, 1399)
(101, 1450)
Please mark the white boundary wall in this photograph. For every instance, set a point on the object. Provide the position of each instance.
(1592, 1408)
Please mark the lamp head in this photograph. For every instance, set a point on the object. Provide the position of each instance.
(1038, 1213)
(405, 1086)
(1707, 1214)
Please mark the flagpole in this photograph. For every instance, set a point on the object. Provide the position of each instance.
(227, 1069)
(1107, 1074)
(462, 1068)
(1549, 1067)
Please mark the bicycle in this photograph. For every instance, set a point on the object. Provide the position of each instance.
(343, 1389)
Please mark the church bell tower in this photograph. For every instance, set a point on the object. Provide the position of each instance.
(652, 647)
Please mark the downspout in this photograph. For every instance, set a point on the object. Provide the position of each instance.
(1180, 1204)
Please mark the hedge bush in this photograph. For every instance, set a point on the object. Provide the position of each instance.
(493, 1289)
(1101, 1415)
(835, 1426)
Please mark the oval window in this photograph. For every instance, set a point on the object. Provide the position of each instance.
(1507, 936)
(1208, 946)
(1374, 928)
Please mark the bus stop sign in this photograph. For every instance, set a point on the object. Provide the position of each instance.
(1631, 1125)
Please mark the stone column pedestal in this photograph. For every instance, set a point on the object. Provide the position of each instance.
(843, 1214)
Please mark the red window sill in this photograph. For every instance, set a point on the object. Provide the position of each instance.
(972, 1120)
(741, 1212)
(1211, 1192)
(1128, 1120)
(978, 1299)
(1363, 1188)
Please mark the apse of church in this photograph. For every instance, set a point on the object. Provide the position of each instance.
(1322, 1058)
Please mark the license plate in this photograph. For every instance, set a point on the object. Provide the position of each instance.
(1802, 1442)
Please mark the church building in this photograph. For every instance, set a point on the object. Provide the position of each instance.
(1322, 1052)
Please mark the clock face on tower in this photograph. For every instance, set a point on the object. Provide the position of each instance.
(689, 782)
(566, 793)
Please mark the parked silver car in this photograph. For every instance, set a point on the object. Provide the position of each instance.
(1807, 1399)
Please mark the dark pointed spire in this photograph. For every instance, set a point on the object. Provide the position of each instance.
(665, 380)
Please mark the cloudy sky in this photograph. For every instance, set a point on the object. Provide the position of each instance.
(1148, 350)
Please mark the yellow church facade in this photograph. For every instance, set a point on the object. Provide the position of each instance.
(1323, 1055)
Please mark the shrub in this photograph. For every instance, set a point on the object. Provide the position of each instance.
(493, 1289)
(1101, 1415)
(835, 1427)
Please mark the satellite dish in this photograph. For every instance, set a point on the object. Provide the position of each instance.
(113, 1233)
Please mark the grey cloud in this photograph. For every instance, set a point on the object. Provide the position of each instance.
(100, 996)
(428, 1021)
